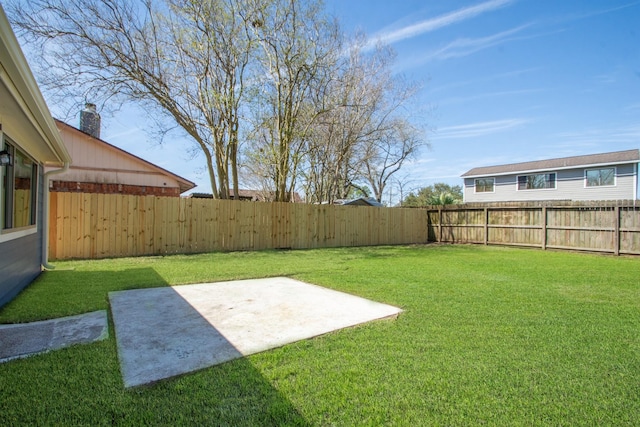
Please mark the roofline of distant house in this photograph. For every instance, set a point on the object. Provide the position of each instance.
(518, 172)
(630, 157)
(187, 185)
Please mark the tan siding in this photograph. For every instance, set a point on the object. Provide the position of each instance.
(100, 163)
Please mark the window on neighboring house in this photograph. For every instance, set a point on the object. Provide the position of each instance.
(537, 181)
(600, 177)
(19, 189)
(485, 185)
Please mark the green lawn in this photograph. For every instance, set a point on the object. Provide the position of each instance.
(489, 335)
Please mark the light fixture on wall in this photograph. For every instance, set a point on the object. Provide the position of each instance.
(5, 158)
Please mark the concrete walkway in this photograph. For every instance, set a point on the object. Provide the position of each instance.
(163, 332)
(25, 339)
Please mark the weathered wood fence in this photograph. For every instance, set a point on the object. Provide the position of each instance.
(612, 227)
(83, 225)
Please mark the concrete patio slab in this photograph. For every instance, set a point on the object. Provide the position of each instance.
(163, 332)
(25, 339)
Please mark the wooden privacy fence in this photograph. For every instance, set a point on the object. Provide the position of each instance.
(83, 225)
(613, 228)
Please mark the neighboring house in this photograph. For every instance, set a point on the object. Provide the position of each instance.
(362, 201)
(248, 196)
(99, 167)
(243, 195)
(606, 176)
(29, 141)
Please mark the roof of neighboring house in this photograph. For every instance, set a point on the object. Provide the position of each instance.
(242, 194)
(23, 110)
(362, 201)
(253, 195)
(591, 160)
(183, 183)
(256, 196)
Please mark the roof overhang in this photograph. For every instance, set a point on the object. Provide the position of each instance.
(24, 114)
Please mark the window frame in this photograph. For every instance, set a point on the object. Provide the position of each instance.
(546, 174)
(493, 186)
(615, 177)
(12, 232)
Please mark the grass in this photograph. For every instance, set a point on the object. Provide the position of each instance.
(489, 335)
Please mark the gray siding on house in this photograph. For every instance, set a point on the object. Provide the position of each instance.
(20, 265)
(570, 185)
(26, 119)
(21, 260)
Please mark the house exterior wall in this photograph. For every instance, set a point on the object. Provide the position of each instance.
(570, 185)
(20, 265)
(98, 167)
(21, 258)
(26, 121)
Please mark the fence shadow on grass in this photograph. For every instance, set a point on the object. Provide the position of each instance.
(83, 386)
(168, 341)
(59, 293)
(233, 393)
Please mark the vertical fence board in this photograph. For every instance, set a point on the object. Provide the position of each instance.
(65, 224)
(53, 224)
(85, 224)
(58, 239)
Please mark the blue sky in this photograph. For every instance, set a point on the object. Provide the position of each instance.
(504, 81)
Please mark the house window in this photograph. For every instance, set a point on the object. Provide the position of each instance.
(537, 181)
(600, 177)
(19, 189)
(485, 185)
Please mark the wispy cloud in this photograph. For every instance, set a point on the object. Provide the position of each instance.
(485, 79)
(473, 130)
(467, 46)
(615, 75)
(438, 22)
(435, 170)
(592, 13)
(122, 134)
(628, 134)
(632, 107)
(607, 78)
(466, 99)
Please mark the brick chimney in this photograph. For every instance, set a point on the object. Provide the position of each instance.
(90, 120)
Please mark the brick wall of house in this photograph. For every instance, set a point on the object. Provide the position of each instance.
(92, 187)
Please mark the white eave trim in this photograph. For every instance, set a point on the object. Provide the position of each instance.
(18, 77)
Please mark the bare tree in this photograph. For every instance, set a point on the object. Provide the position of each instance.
(298, 44)
(363, 137)
(388, 154)
(402, 185)
(185, 59)
(313, 112)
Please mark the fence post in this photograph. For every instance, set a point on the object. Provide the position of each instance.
(439, 225)
(616, 237)
(486, 226)
(544, 228)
